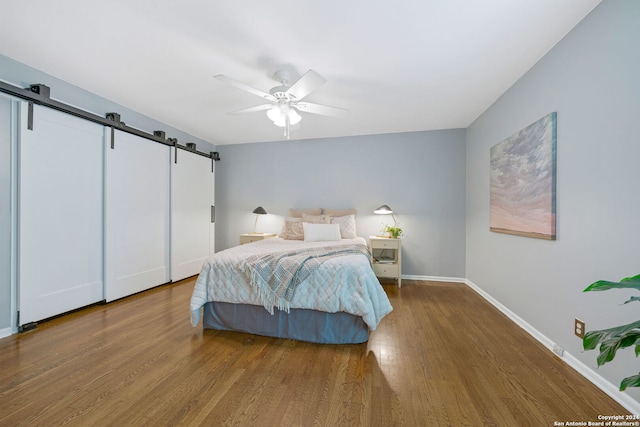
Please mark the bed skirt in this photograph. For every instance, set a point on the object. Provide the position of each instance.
(298, 324)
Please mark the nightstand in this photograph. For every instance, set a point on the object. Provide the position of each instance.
(254, 237)
(387, 257)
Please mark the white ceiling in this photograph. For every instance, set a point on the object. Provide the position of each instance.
(399, 66)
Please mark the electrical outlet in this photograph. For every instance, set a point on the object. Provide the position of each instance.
(578, 328)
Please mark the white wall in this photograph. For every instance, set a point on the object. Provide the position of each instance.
(591, 78)
(419, 174)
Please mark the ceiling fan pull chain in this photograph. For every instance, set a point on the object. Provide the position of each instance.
(286, 126)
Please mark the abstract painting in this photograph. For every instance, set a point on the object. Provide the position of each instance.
(523, 182)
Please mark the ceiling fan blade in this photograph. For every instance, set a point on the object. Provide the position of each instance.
(325, 110)
(253, 109)
(244, 87)
(306, 84)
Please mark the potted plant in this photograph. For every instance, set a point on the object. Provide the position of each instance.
(393, 232)
(612, 339)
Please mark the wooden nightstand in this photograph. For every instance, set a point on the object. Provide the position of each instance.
(251, 237)
(387, 257)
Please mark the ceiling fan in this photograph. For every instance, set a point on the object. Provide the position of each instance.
(286, 100)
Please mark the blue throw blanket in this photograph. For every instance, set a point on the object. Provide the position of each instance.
(276, 275)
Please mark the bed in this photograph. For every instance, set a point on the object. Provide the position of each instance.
(331, 297)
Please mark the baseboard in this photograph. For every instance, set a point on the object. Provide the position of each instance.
(623, 399)
(434, 278)
(5, 332)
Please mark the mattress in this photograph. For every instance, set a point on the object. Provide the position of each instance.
(344, 284)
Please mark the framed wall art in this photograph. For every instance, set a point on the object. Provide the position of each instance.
(523, 182)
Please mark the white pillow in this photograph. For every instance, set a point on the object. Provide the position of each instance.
(321, 232)
(347, 226)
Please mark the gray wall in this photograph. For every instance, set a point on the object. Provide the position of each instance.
(21, 75)
(591, 78)
(420, 175)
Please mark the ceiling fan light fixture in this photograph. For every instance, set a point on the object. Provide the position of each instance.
(274, 113)
(279, 117)
(294, 117)
(285, 99)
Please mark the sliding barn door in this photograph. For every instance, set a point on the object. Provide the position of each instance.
(60, 204)
(137, 215)
(191, 184)
(6, 207)
(212, 223)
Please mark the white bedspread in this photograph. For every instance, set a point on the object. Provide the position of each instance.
(345, 283)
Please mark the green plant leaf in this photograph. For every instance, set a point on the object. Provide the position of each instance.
(608, 351)
(624, 332)
(632, 381)
(605, 285)
(609, 348)
(591, 339)
(395, 232)
(613, 339)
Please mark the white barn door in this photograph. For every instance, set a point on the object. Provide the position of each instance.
(191, 183)
(7, 180)
(137, 215)
(60, 177)
(212, 224)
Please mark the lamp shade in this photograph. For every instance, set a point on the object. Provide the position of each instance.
(274, 113)
(259, 211)
(279, 117)
(386, 210)
(294, 117)
(383, 210)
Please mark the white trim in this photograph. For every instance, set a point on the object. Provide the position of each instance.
(5, 332)
(610, 389)
(434, 278)
(623, 399)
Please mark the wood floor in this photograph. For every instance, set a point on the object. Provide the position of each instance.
(443, 357)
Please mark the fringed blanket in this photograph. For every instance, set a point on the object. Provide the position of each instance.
(276, 275)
